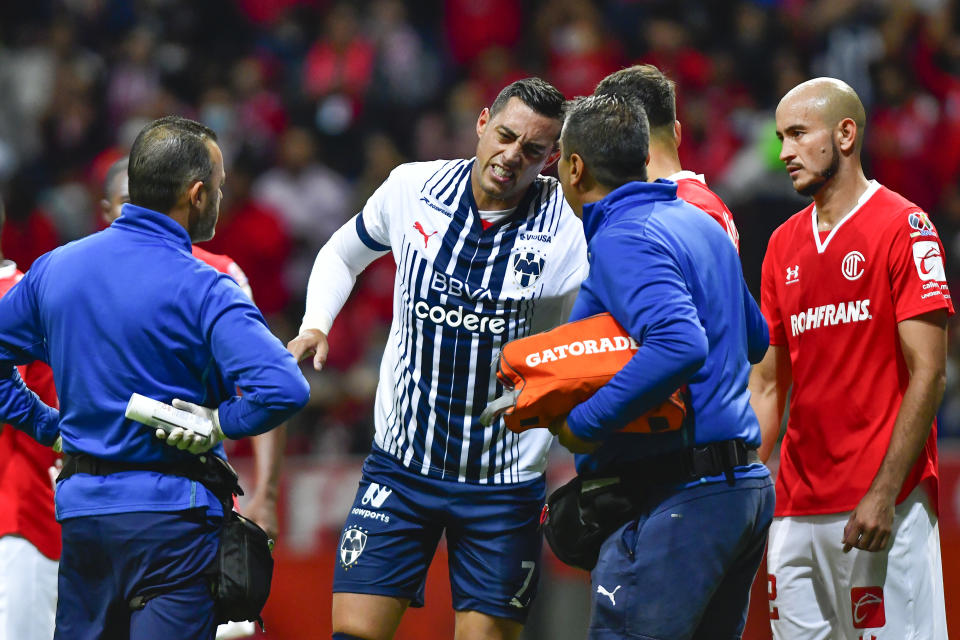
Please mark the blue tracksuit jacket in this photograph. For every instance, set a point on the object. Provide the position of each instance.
(669, 275)
(128, 310)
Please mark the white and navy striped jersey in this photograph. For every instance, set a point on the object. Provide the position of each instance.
(460, 293)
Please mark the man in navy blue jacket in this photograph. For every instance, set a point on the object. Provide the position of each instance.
(129, 310)
(683, 566)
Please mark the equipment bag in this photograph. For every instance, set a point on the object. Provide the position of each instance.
(581, 514)
(547, 374)
(244, 569)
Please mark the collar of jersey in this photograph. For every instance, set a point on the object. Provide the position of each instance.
(152, 223)
(625, 198)
(822, 246)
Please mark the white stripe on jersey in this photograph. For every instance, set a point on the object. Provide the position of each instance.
(459, 294)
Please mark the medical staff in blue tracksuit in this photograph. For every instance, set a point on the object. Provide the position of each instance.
(131, 310)
(669, 275)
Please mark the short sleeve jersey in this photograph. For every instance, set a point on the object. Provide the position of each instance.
(834, 300)
(692, 187)
(26, 495)
(461, 291)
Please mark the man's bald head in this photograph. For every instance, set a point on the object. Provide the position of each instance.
(833, 101)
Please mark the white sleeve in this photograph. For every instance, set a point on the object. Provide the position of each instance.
(334, 273)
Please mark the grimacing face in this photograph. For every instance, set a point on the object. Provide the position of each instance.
(514, 146)
(808, 149)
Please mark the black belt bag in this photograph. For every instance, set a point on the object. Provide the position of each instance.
(241, 575)
(581, 514)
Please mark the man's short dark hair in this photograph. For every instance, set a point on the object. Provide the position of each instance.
(115, 169)
(536, 93)
(644, 82)
(611, 134)
(167, 156)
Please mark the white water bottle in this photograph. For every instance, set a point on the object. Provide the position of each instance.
(154, 413)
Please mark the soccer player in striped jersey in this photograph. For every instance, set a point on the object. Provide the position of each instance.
(657, 93)
(487, 250)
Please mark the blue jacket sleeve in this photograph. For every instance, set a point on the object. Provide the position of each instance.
(21, 342)
(758, 333)
(273, 389)
(640, 283)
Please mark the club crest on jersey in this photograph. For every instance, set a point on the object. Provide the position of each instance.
(793, 274)
(351, 546)
(929, 261)
(921, 224)
(527, 267)
(852, 265)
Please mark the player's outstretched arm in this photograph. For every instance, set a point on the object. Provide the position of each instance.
(332, 278)
(770, 380)
(924, 342)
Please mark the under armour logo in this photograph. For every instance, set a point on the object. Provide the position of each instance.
(793, 274)
(609, 594)
(426, 236)
(376, 495)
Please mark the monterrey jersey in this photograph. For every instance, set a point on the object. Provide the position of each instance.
(692, 187)
(461, 292)
(26, 496)
(834, 299)
(224, 264)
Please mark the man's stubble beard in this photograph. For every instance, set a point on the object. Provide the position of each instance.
(824, 176)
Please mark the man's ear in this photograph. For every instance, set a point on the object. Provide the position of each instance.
(482, 121)
(578, 170)
(846, 134)
(676, 132)
(196, 193)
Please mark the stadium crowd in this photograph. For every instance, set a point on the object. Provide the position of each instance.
(315, 102)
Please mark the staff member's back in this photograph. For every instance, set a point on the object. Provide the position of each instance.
(131, 310)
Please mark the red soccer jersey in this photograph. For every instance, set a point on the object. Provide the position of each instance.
(26, 497)
(224, 264)
(693, 188)
(834, 300)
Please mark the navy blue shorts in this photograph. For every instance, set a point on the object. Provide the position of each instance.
(107, 560)
(683, 570)
(394, 526)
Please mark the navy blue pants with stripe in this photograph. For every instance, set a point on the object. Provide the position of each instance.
(109, 559)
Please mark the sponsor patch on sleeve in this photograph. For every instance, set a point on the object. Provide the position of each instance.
(928, 259)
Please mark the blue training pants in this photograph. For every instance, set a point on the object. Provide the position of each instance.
(109, 559)
(683, 569)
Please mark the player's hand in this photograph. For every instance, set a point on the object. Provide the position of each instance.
(871, 523)
(263, 510)
(561, 429)
(310, 342)
(185, 439)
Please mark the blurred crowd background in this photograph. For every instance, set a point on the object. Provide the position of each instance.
(316, 101)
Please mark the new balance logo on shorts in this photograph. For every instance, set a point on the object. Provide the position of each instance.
(866, 607)
(376, 495)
